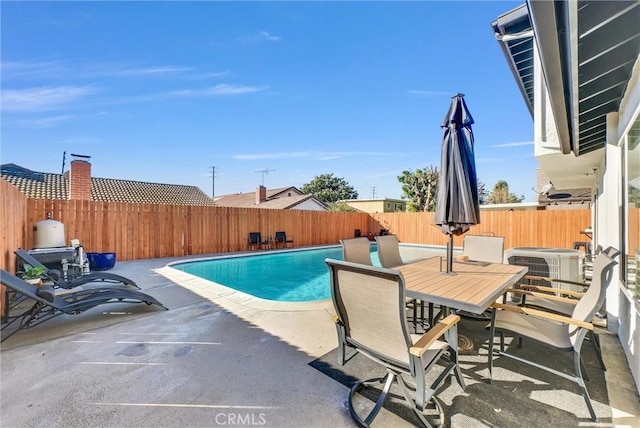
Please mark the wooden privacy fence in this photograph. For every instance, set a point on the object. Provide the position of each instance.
(545, 228)
(142, 231)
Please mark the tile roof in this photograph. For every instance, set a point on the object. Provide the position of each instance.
(56, 186)
(280, 198)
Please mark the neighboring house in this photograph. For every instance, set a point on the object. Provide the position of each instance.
(577, 65)
(383, 205)
(284, 198)
(77, 183)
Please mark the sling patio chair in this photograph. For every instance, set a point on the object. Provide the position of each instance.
(356, 250)
(281, 238)
(482, 249)
(370, 320)
(255, 239)
(554, 330)
(56, 277)
(389, 256)
(47, 304)
(542, 297)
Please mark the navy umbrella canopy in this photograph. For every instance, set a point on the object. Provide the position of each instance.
(457, 205)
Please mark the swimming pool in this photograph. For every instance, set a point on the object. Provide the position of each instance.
(287, 276)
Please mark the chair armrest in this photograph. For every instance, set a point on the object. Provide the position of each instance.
(576, 294)
(544, 315)
(545, 296)
(427, 339)
(547, 279)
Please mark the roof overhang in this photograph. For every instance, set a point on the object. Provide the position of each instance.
(514, 33)
(587, 51)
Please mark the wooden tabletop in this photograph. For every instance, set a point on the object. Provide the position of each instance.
(473, 288)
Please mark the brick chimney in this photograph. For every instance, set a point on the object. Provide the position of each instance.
(80, 179)
(261, 194)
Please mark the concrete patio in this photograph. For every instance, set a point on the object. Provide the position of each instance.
(220, 358)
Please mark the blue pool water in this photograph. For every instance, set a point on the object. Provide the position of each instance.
(296, 276)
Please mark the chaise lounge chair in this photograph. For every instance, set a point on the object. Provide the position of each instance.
(58, 281)
(49, 305)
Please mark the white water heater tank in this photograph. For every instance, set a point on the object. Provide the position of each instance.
(48, 234)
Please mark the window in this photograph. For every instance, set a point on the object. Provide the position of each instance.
(631, 261)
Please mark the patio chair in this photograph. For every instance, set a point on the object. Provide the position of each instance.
(389, 251)
(281, 238)
(369, 303)
(543, 297)
(48, 304)
(55, 276)
(483, 248)
(389, 256)
(556, 331)
(255, 239)
(356, 250)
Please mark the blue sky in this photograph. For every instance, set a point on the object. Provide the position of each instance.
(162, 91)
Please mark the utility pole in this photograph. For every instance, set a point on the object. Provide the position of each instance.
(213, 181)
(373, 192)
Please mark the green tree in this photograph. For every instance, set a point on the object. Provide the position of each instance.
(341, 206)
(501, 195)
(329, 188)
(420, 188)
(483, 194)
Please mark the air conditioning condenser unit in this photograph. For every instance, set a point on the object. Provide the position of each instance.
(557, 263)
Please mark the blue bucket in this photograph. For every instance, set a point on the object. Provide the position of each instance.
(101, 261)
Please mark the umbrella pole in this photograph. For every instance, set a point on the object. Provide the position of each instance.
(450, 254)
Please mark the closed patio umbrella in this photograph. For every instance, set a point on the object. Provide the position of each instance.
(457, 206)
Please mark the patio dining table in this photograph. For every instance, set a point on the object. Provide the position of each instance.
(473, 287)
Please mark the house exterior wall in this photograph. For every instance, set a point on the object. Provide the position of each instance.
(623, 311)
(608, 216)
(378, 205)
(309, 205)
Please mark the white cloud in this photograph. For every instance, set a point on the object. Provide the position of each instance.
(313, 154)
(283, 155)
(45, 122)
(43, 98)
(147, 71)
(524, 143)
(266, 36)
(222, 89)
(262, 36)
(59, 70)
(429, 93)
(26, 69)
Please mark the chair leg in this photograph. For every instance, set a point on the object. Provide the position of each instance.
(388, 381)
(492, 334)
(595, 342)
(577, 363)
